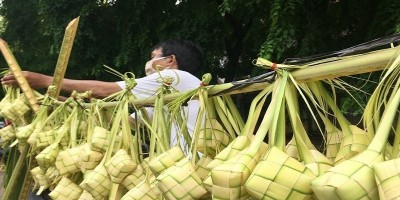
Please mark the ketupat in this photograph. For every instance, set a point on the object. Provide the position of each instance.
(67, 161)
(120, 166)
(66, 189)
(97, 182)
(181, 181)
(165, 160)
(142, 191)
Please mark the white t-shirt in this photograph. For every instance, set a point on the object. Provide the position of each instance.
(183, 81)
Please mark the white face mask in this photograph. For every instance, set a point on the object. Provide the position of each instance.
(148, 68)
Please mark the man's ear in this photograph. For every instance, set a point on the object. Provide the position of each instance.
(173, 62)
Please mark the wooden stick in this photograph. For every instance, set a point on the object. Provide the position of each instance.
(16, 70)
(63, 57)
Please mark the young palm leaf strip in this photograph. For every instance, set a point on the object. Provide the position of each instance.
(243, 140)
(275, 166)
(312, 158)
(354, 140)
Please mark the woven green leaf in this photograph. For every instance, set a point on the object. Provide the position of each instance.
(278, 176)
(67, 161)
(119, 166)
(142, 191)
(97, 182)
(66, 189)
(387, 175)
(163, 161)
(89, 159)
(180, 181)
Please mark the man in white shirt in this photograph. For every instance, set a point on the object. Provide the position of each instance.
(175, 58)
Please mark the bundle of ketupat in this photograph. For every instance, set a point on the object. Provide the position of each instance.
(231, 178)
(355, 178)
(240, 169)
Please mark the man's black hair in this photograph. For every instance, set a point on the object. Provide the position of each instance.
(188, 55)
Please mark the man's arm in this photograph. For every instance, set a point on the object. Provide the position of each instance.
(99, 89)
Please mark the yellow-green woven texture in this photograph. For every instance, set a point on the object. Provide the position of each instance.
(86, 196)
(40, 177)
(100, 139)
(333, 142)
(47, 157)
(52, 176)
(35, 171)
(7, 133)
(42, 180)
(22, 133)
(97, 182)
(89, 159)
(180, 181)
(38, 174)
(353, 144)
(67, 161)
(165, 160)
(64, 131)
(213, 137)
(45, 138)
(15, 110)
(387, 175)
(19, 107)
(278, 176)
(321, 164)
(145, 163)
(142, 191)
(32, 138)
(201, 166)
(237, 145)
(207, 182)
(229, 177)
(133, 179)
(66, 189)
(350, 179)
(7, 113)
(120, 166)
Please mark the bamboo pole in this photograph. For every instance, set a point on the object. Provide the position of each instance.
(351, 65)
(319, 70)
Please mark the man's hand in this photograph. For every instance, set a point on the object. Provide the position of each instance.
(35, 80)
(99, 89)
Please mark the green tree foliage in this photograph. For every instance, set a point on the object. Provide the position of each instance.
(1, 24)
(119, 33)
